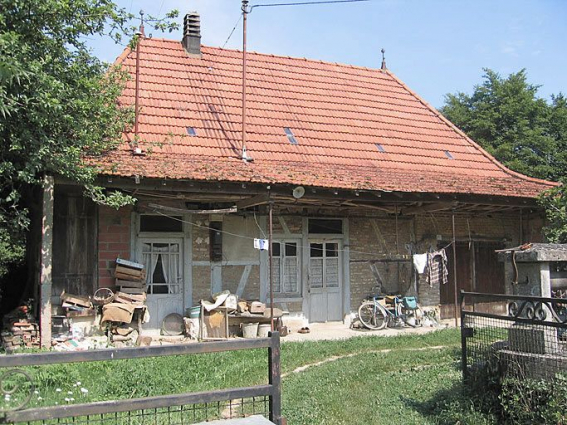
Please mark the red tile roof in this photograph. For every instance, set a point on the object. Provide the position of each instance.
(337, 113)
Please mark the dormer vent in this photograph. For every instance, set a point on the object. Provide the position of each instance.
(192, 33)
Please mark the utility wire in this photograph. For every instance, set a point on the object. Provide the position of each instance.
(352, 251)
(306, 3)
(232, 32)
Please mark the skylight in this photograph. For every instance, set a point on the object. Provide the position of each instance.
(191, 131)
(290, 136)
(448, 154)
(380, 147)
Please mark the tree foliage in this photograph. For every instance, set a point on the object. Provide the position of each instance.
(507, 118)
(58, 103)
(523, 131)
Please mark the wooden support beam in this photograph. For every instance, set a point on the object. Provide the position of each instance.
(437, 206)
(46, 262)
(187, 211)
(253, 201)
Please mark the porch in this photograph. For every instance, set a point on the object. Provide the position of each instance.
(329, 248)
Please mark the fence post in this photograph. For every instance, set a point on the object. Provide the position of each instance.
(275, 378)
(463, 339)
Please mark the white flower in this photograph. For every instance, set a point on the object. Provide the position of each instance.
(58, 390)
(67, 399)
(39, 399)
(7, 397)
(36, 392)
(84, 390)
(78, 383)
(69, 392)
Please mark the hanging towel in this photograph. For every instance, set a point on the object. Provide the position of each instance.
(419, 262)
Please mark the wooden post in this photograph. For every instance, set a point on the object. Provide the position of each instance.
(455, 284)
(275, 379)
(270, 256)
(45, 279)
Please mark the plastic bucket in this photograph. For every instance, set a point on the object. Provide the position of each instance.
(249, 330)
(193, 312)
(263, 330)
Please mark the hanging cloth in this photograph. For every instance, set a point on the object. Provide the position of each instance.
(438, 272)
(420, 262)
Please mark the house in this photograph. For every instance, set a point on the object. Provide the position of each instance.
(354, 171)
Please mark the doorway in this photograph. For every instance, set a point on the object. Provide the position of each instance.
(325, 280)
(163, 261)
(478, 270)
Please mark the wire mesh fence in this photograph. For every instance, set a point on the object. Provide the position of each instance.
(172, 415)
(507, 336)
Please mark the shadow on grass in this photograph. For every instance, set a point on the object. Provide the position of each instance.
(459, 404)
(451, 406)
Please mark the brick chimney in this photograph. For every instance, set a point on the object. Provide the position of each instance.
(192, 33)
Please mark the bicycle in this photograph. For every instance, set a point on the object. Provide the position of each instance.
(395, 311)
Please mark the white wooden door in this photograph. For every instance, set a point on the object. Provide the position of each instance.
(325, 283)
(163, 260)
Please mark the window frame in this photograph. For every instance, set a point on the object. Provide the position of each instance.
(282, 257)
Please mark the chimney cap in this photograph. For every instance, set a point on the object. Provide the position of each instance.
(192, 33)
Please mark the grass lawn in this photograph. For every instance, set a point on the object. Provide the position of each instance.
(412, 379)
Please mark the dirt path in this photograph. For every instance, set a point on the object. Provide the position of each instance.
(345, 356)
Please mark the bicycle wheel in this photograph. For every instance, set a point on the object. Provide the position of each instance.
(371, 316)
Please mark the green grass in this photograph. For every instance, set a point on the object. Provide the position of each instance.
(402, 386)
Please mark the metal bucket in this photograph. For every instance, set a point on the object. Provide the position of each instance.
(263, 330)
(249, 330)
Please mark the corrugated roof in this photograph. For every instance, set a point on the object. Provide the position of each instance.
(337, 113)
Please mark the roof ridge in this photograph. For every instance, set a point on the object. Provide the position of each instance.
(468, 139)
(253, 52)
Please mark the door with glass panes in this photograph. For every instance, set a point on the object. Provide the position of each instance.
(162, 259)
(325, 282)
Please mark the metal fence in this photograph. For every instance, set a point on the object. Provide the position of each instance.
(512, 336)
(187, 408)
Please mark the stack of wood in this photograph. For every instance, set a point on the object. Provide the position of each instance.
(130, 277)
(20, 330)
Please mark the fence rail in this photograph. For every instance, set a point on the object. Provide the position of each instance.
(176, 408)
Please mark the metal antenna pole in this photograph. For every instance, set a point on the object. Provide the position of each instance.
(139, 36)
(244, 19)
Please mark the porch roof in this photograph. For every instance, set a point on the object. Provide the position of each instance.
(356, 128)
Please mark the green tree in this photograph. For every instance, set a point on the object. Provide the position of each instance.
(523, 131)
(505, 116)
(58, 103)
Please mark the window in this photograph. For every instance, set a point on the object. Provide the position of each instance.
(380, 147)
(285, 267)
(324, 265)
(160, 223)
(325, 226)
(215, 238)
(290, 136)
(191, 131)
(449, 155)
(162, 260)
